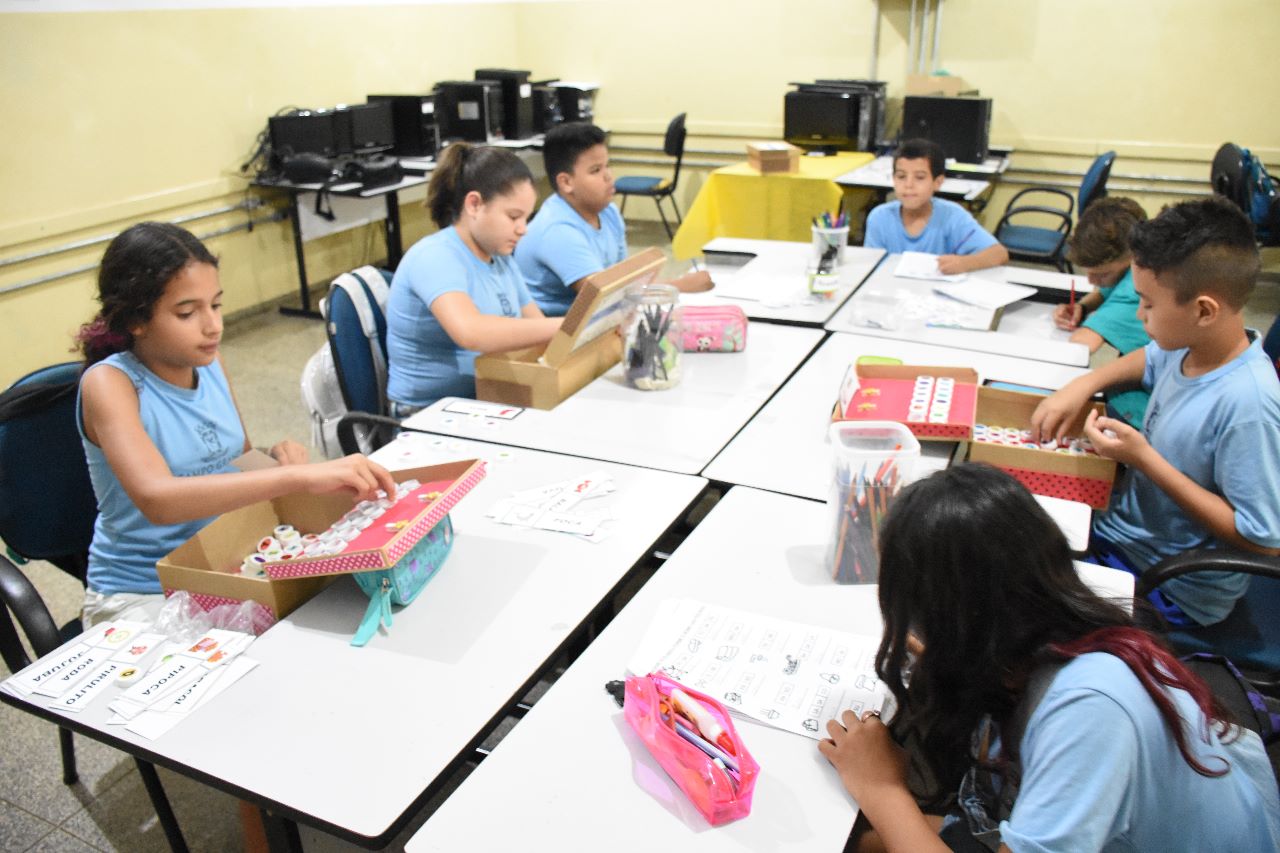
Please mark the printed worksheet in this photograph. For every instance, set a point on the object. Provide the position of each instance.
(785, 674)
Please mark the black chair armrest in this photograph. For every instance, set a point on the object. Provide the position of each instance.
(383, 428)
(1206, 560)
(1071, 200)
(25, 603)
(1064, 221)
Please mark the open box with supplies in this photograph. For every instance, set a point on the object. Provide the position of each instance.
(935, 403)
(585, 347)
(245, 554)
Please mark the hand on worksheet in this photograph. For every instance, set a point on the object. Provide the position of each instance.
(865, 755)
(1067, 317)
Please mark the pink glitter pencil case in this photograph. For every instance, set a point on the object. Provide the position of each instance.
(713, 328)
(709, 762)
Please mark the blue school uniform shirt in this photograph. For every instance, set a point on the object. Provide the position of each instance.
(423, 362)
(561, 247)
(1101, 772)
(1222, 430)
(951, 230)
(197, 431)
(1116, 321)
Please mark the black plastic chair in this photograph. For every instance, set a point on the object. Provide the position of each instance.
(1250, 635)
(1036, 244)
(47, 511)
(659, 188)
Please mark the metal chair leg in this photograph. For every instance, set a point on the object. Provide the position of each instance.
(676, 208)
(624, 203)
(69, 774)
(657, 200)
(160, 802)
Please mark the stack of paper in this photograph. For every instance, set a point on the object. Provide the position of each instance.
(984, 293)
(155, 683)
(788, 675)
(558, 507)
(924, 266)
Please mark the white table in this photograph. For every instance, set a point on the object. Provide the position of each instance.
(767, 279)
(1026, 328)
(573, 776)
(878, 175)
(678, 430)
(349, 739)
(784, 448)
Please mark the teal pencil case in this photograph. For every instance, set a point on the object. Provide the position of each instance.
(403, 582)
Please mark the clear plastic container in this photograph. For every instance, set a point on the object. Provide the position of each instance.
(653, 339)
(872, 460)
(825, 258)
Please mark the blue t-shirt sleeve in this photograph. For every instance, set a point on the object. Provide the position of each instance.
(567, 253)
(965, 235)
(1156, 358)
(435, 273)
(1246, 466)
(1079, 757)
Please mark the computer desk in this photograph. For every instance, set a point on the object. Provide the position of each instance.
(878, 176)
(573, 776)
(679, 429)
(773, 271)
(354, 741)
(892, 307)
(738, 201)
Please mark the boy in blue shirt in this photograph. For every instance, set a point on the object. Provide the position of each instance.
(1204, 471)
(577, 231)
(918, 222)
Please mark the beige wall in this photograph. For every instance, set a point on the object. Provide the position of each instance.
(147, 114)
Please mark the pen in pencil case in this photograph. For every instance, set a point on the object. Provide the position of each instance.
(702, 718)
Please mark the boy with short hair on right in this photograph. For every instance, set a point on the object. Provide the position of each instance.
(1204, 471)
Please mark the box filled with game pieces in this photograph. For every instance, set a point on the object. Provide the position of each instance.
(935, 403)
(282, 552)
(1070, 469)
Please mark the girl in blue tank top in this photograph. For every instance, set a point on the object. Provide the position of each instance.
(159, 424)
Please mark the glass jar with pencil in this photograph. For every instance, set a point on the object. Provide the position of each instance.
(652, 343)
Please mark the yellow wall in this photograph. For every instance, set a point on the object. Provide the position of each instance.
(147, 114)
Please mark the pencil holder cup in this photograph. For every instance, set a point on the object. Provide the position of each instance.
(825, 257)
(653, 339)
(872, 461)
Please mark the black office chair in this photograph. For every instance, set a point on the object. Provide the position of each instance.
(47, 511)
(1250, 635)
(1040, 245)
(659, 188)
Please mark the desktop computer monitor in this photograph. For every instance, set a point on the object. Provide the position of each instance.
(962, 126)
(372, 128)
(306, 132)
(824, 118)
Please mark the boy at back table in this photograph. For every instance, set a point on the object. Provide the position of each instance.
(917, 222)
(577, 231)
(1204, 471)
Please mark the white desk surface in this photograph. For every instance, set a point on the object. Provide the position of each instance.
(778, 270)
(878, 174)
(573, 776)
(784, 448)
(352, 736)
(1026, 329)
(678, 430)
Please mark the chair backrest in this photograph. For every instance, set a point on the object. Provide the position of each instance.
(47, 505)
(1094, 185)
(673, 144)
(357, 329)
(1227, 175)
(1271, 343)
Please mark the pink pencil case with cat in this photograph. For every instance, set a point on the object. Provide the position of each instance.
(714, 328)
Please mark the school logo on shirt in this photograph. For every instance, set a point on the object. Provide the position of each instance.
(506, 305)
(208, 433)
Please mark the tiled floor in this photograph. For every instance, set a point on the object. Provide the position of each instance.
(108, 810)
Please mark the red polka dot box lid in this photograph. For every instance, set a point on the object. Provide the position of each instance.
(247, 553)
(936, 403)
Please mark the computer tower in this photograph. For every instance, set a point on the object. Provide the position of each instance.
(371, 126)
(470, 110)
(414, 120)
(962, 126)
(577, 100)
(546, 107)
(517, 100)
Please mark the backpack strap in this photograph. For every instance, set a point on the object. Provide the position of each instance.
(368, 292)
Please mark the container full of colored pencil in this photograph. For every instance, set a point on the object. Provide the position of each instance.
(872, 461)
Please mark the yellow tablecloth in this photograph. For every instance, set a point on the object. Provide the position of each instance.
(738, 201)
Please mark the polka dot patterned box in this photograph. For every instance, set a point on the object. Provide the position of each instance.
(1068, 469)
(935, 403)
(298, 543)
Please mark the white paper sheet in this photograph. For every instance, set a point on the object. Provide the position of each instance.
(984, 293)
(924, 266)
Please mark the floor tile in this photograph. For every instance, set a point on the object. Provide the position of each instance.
(19, 829)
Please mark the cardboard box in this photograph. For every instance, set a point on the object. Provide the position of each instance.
(769, 157)
(585, 347)
(883, 392)
(208, 564)
(939, 84)
(1085, 478)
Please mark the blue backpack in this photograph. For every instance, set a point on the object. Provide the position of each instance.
(1242, 178)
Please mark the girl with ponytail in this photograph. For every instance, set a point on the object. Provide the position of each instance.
(1061, 724)
(458, 292)
(159, 425)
